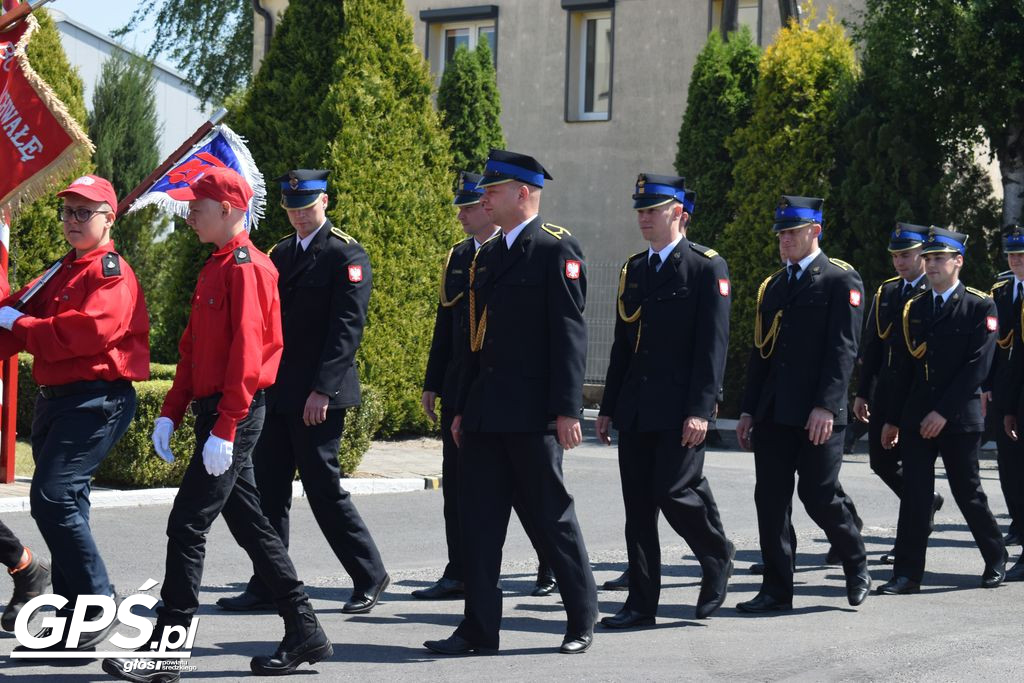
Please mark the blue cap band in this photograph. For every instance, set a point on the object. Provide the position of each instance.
(791, 213)
(517, 172)
(948, 241)
(1014, 241)
(304, 185)
(907, 235)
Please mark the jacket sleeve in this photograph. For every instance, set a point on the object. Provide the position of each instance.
(711, 340)
(871, 351)
(843, 333)
(441, 345)
(972, 373)
(347, 316)
(567, 341)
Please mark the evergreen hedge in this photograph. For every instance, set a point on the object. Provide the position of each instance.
(470, 106)
(788, 147)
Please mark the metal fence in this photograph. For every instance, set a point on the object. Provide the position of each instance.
(602, 290)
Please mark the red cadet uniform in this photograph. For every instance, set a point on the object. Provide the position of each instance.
(232, 344)
(89, 322)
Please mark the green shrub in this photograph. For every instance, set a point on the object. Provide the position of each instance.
(162, 370)
(361, 423)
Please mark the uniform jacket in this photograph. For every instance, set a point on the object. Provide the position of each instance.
(807, 345)
(325, 292)
(671, 337)
(883, 338)
(1004, 378)
(529, 365)
(232, 343)
(449, 348)
(944, 360)
(89, 322)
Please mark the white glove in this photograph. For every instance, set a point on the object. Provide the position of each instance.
(217, 455)
(8, 315)
(162, 430)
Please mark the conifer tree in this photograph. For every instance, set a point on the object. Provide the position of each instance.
(470, 107)
(718, 103)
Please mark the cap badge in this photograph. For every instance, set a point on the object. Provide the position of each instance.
(293, 183)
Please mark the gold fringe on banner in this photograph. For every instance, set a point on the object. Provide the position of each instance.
(42, 181)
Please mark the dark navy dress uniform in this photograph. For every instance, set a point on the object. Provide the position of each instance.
(881, 341)
(325, 292)
(667, 363)
(449, 351)
(805, 346)
(1004, 382)
(944, 360)
(529, 342)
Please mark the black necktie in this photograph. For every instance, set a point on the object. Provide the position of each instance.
(908, 289)
(654, 262)
(298, 248)
(938, 306)
(1020, 293)
(794, 271)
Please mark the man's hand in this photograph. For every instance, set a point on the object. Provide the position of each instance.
(217, 455)
(569, 433)
(163, 427)
(457, 431)
(1010, 426)
(428, 400)
(695, 429)
(819, 426)
(8, 315)
(986, 398)
(890, 435)
(860, 410)
(931, 425)
(604, 424)
(315, 411)
(744, 428)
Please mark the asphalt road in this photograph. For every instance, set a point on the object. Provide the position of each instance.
(951, 631)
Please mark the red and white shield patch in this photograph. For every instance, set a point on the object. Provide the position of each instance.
(992, 323)
(855, 297)
(572, 269)
(723, 287)
(355, 273)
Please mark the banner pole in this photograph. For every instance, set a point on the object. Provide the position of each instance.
(20, 12)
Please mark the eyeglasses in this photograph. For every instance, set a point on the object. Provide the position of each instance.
(80, 215)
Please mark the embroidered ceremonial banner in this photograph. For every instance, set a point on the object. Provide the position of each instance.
(39, 140)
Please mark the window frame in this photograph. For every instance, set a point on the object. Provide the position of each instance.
(439, 21)
(712, 26)
(578, 13)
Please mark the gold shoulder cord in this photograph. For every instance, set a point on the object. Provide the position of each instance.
(923, 348)
(878, 323)
(476, 333)
(445, 301)
(763, 339)
(622, 308)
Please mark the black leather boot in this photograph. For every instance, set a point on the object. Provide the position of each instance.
(304, 641)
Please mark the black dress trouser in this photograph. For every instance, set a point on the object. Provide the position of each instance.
(11, 548)
(496, 469)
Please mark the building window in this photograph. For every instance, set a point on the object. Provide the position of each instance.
(748, 13)
(451, 28)
(589, 73)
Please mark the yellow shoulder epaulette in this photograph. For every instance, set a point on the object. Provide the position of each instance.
(978, 293)
(703, 251)
(488, 241)
(342, 235)
(555, 231)
(639, 254)
(892, 279)
(842, 264)
(283, 239)
(999, 283)
(1004, 274)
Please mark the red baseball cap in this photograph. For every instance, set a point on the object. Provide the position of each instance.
(219, 183)
(93, 188)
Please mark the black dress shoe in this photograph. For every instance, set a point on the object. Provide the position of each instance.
(627, 618)
(574, 645)
(899, 585)
(544, 586)
(455, 645)
(858, 585)
(937, 501)
(443, 589)
(618, 584)
(994, 574)
(762, 602)
(714, 585)
(304, 643)
(1016, 572)
(363, 602)
(245, 602)
(757, 568)
(889, 557)
(1012, 538)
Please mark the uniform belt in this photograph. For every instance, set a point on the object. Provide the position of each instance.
(71, 388)
(207, 405)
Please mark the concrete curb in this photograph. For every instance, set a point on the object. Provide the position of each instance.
(111, 498)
